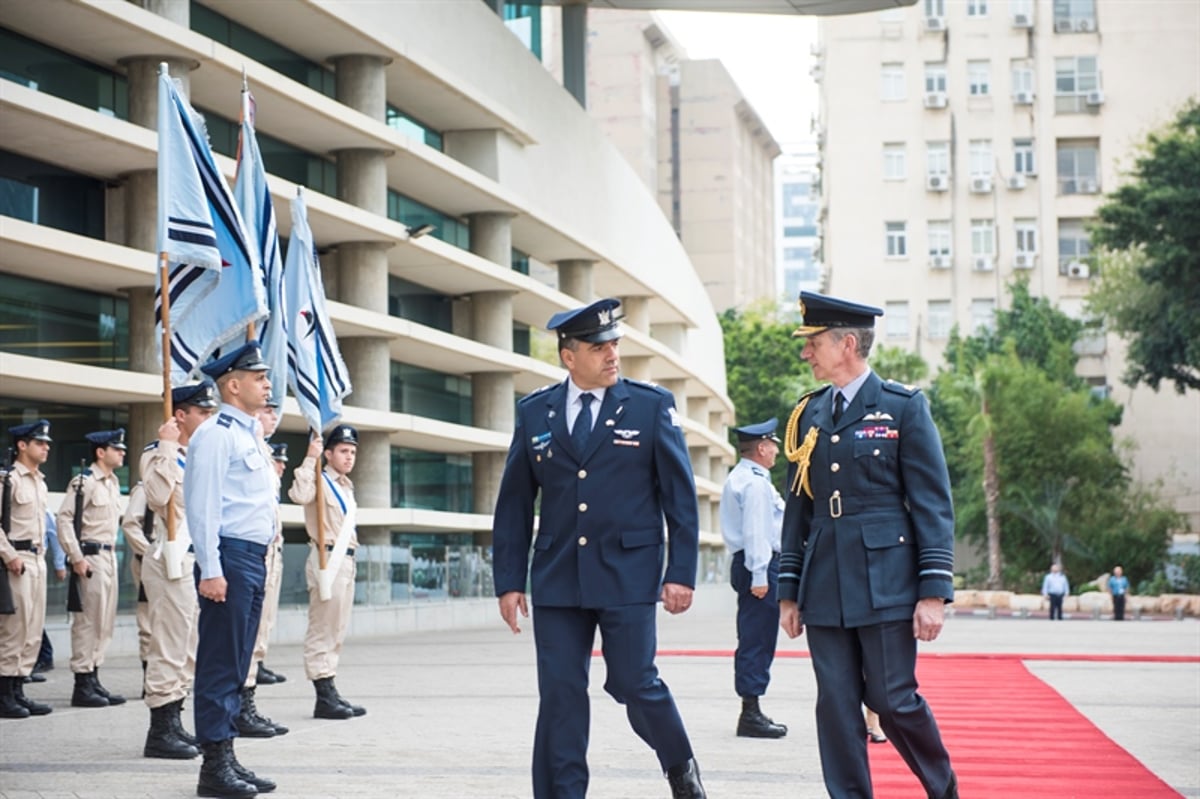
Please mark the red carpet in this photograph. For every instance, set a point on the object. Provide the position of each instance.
(1011, 736)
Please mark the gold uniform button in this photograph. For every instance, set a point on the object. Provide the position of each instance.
(582, 507)
(582, 473)
(835, 438)
(583, 540)
(835, 467)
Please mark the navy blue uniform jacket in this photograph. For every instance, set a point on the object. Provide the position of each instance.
(881, 467)
(600, 538)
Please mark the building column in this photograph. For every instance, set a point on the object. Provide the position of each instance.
(575, 279)
(636, 312)
(574, 49)
(700, 466)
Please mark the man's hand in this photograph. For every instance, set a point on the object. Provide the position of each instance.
(213, 589)
(758, 591)
(510, 604)
(16, 565)
(676, 598)
(790, 619)
(61, 574)
(169, 430)
(80, 567)
(315, 447)
(928, 618)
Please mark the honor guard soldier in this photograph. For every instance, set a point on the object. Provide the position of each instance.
(868, 549)
(88, 520)
(251, 723)
(609, 459)
(330, 591)
(751, 518)
(227, 493)
(23, 597)
(170, 592)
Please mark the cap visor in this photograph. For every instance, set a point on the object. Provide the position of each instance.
(603, 335)
(805, 331)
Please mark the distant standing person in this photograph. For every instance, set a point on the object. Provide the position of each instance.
(751, 516)
(1118, 586)
(1055, 587)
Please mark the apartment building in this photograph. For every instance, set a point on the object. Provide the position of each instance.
(798, 210)
(964, 142)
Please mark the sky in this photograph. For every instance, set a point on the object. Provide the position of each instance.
(768, 55)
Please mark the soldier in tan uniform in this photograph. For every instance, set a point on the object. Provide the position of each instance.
(21, 540)
(328, 618)
(93, 558)
(171, 658)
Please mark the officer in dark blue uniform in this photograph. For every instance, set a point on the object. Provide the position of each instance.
(610, 461)
(868, 549)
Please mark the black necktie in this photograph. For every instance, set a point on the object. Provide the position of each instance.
(583, 423)
(837, 407)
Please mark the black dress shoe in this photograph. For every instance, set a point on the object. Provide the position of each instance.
(34, 677)
(684, 780)
(42, 666)
(951, 791)
(268, 677)
(876, 737)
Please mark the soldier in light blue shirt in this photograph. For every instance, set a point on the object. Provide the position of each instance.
(229, 498)
(1055, 586)
(751, 518)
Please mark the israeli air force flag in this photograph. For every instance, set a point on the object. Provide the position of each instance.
(215, 291)
(316, 372)
(254, 200)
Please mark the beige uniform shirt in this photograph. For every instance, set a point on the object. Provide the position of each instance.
(304, 491)
(162, 476)
(29, 499)
(131, 522)
(101, 513)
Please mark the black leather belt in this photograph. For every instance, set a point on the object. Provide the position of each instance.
(94, 548)
(349, 550)
(26, 546)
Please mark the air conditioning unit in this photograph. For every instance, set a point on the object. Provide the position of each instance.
(937, 182)
(1085, 24)
(981, 185)
(1016, 182)
(1062, 25)
(1077, 270)
(935, 23)
(1023, 98)
(1087, 186)
(940, 262)
(983, 264)
(1023, 260)
(1095, 97)
(935, 99)
(1022, 21)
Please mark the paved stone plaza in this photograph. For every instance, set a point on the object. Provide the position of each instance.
(451, 714)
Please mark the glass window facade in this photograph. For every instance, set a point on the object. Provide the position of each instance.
(412, 128)
(43, 194)
(62, 323)
(431, 480)
(54, 72)
(526, 20)
(267, 52)
(419, 304)
(409, 212)
(68, 426)
(279, 158)
(436, 395)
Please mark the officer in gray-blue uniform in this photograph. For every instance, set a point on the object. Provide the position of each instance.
(751, 516)
(229, 497)
(610, 461)
(868, 549)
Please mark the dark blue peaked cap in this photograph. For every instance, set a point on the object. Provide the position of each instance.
(279, 451)
(247, 357)
(820, 313)
(201, 395)
(108, 438)
(753, 432)
(341, 434)
(595, 323)
(36, 431)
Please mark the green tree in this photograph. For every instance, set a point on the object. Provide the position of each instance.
(1148, 238)
(899, 364)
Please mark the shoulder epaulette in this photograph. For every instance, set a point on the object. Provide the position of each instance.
(900, 388)
(224, 419)
(150, 446)
(646, 386)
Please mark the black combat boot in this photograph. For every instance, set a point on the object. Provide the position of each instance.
(249, 723)
(327, 706)
(111, 698)
(753, 724)
(684, 780)
(34, 708)
(161, 741)
(268, 677)
(177, 725)
(217, 777)
(10, 708)
(357, 710)
(262, 784)
(85, 693)
(248, 700)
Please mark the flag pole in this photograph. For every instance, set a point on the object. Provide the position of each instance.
(250, 334)
(168, 409)
(322, 560)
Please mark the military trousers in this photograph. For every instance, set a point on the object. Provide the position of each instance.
(327, 620)
(173, 612)
(21, 632)
(270, 610)
(757, 627)
(141, 612)
(92, 630)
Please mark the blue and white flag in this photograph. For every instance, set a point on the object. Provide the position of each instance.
(254, 201)
(215, 289)
(318, 376)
